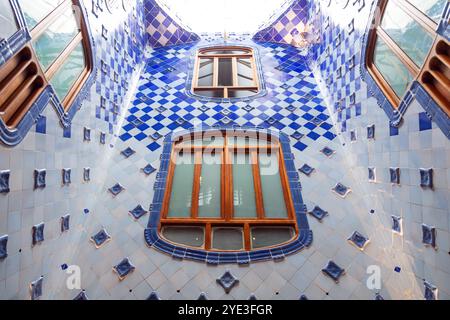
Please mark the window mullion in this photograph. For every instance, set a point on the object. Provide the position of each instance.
(247, 242)
(229, 201)
(235, 72)
(257, 184)
(196, 186)
(216, 72)
(54, 67)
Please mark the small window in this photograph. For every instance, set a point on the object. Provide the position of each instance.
(402, 46)
(225, 72)
(227, 191)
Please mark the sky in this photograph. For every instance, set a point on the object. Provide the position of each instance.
(223, 15)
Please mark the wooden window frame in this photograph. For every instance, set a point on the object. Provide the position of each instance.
(378, 33)
(226, 218)
(80, 37)
(204, 53)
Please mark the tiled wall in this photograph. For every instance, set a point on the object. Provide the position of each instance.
(155, 83)
(417, 143)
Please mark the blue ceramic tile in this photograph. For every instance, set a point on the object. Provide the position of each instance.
(39, 178)
(424, 122)
(102, 138)
(426, 178)
(37, 234)
(358, 240)
(394, 174)
(341, 189)
(252, 297)
(87, 174)
(353, 135)
(429, 235)
(378, 296)
(318, 213)
(202, 297)
(327, 151)
(430, 292)
(124, 268)
(303, 297)
(86, 134)
(65, 223)
(371, 132)
(138, 212)
(153, 296)
(36, 288)
(81, 296)
(4, 181)
(397, 269)
(148, 169)
(333, 271)
(41, 124)
(306, 169)
(3, 246)
(116, 189)
(100, 238)
(128, 152)
(66, 176)
(227, 281)
(397, 224)
(372, 176)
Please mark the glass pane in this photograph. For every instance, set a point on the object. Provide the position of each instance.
(432, 8)
(245, 73)
(69, 72)
(36, 10)
(205, 72)
(8, 21)
(209, 196)
(225, 72)
(272, 190)
(270, 236)
(391, 68)
(183, 179)
(56, 38)
(407, 33)
(189, 236)
(227, 239)
(210, 93)
(243, 188)
(241, 93)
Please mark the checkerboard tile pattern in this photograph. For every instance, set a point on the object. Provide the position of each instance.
(292, 105)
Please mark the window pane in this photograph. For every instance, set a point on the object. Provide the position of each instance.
(183, 179)
(225, 72)
(245, 141)
(189, 236)
(272, 190)
(227, 239)
(209, 196)
(270, 236)
(8, 21)
(36, 10)
(205, 72)
(210, 93)
(69, 72)
(432, 8)
(391, 68)
(241, 93)
(245, 73)
(56, 38)
(243, 188)
(407, 33)
(215, 139)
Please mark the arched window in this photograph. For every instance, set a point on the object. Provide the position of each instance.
(59, 55)
(404, 47)
(225, 72)
(227, 191)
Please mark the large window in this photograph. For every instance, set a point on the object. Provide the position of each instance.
(59, 55)
(227, 191)
(404, 46)
(59, 39)
(225, 72)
